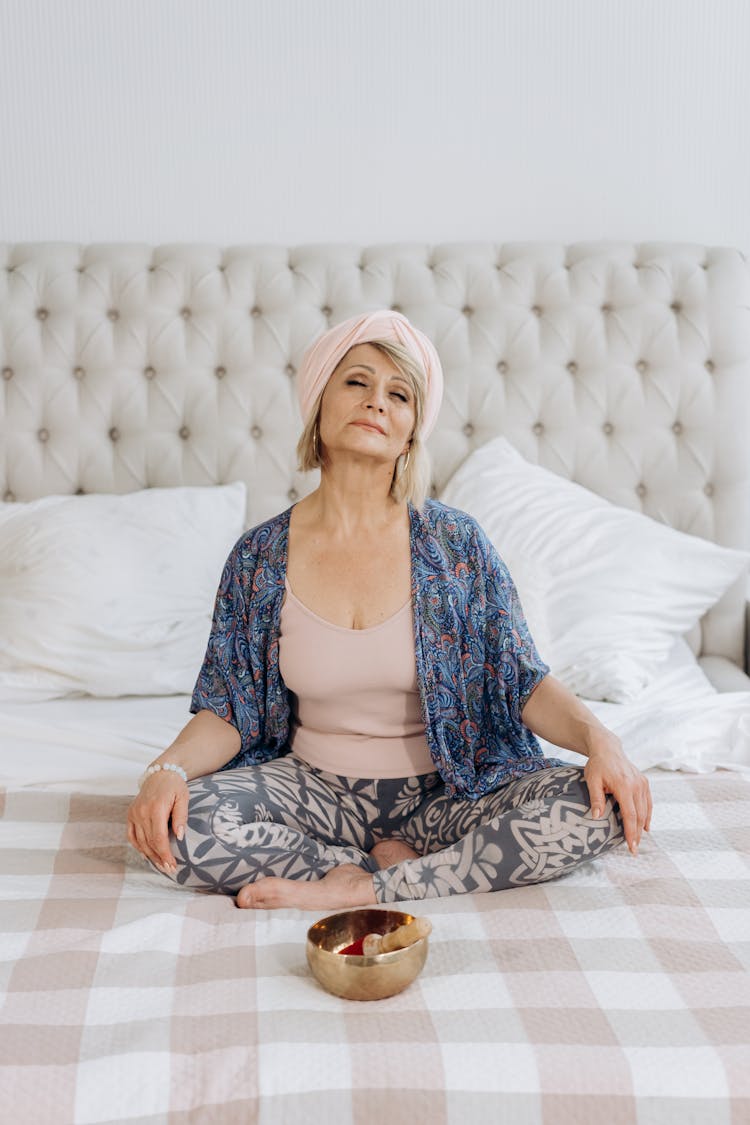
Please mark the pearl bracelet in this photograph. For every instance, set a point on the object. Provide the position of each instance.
(166, 766)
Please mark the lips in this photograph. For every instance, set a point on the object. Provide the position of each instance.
(370, 426)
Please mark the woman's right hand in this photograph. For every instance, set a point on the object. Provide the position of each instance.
(163, 795)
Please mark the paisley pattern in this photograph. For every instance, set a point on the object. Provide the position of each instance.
(286, 818)
(476, 661)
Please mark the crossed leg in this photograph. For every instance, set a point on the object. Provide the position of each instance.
(288, 836)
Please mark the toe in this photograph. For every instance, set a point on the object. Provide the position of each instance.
(245, 897)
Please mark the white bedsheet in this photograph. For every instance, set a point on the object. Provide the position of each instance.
(102, 745)
(680, 721)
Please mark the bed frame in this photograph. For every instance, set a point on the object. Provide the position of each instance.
(624, 367)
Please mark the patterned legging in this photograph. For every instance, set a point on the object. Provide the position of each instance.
(288, 819)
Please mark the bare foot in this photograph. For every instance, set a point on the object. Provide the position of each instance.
(346, 885)
(387, 852)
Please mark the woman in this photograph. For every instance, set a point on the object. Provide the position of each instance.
(365, 715)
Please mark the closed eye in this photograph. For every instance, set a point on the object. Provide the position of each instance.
(359, 383)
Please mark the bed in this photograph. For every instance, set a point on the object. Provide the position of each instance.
(148, 391)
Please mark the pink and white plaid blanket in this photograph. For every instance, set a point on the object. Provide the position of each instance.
(619, 993)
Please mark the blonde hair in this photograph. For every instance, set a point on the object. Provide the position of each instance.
(411, 483)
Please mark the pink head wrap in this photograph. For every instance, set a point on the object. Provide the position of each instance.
(321, 358)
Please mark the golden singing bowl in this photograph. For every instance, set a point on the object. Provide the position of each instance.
(362, 978)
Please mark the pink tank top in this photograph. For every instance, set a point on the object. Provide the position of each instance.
(355, 702)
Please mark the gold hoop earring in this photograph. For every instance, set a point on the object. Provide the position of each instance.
(405, 465)
(315, 438)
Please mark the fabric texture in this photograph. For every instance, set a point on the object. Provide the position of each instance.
(617, 994)
(355, 706)
(621, 586)
(325, 353)
(111, 595)
(287, 819)
(476, 661)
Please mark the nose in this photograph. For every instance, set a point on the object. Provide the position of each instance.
(375, 399)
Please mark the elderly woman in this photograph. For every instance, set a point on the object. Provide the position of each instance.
(365, 716)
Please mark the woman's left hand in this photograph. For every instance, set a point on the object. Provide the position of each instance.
(608, 770)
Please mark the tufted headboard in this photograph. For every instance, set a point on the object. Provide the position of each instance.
(624, 367)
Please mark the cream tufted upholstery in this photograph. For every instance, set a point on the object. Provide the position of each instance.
(623, 367)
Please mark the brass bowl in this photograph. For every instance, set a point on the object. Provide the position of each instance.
(362, 978)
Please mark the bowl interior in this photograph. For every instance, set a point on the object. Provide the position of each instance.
(355, 976)
(339, 930)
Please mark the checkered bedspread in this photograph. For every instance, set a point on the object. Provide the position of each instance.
(619, 993)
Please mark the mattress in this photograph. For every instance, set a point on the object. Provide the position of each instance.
(619, 992)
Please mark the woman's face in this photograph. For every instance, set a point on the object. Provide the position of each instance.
(367, 387)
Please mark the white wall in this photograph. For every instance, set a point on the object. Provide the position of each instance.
(374, 120)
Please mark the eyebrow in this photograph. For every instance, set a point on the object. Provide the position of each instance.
(367, 367)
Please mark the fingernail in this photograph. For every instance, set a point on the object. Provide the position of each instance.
(180, 832)
(597, 812)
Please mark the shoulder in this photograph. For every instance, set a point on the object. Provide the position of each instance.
(262, 542)
(460, 537)
(452, 527)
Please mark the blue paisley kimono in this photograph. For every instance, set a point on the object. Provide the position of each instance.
(476, 662)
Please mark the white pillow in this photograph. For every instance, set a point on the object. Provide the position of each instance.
(620, 587)
(112, 595)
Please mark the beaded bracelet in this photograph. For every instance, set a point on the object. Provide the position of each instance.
(166, 766)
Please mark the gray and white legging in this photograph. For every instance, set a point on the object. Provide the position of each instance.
(286, 818)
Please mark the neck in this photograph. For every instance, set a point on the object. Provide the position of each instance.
(349, 513)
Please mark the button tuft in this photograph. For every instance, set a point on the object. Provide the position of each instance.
(185, 313)
(43, 435)
(255, 311)
(468, 429)
(290, 369)
(606, 308)
(149, 372)
(608, 428)
(536, 309)
(676, 306)
(467, 310)
(394, 308)
(641, 489)
(80, 492)
(641, 365)
(114, 434)
(220, 372)
(538, 428)
(78, 372)
(502, 366)
(709, 365)
(7, 373)
(9, 497)
(256, 431)
(292, 494)
(184, 433)
(42, 314)
(572, 367)
(708, 489)
(113, 314)
(677, 427)
(326, 310)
